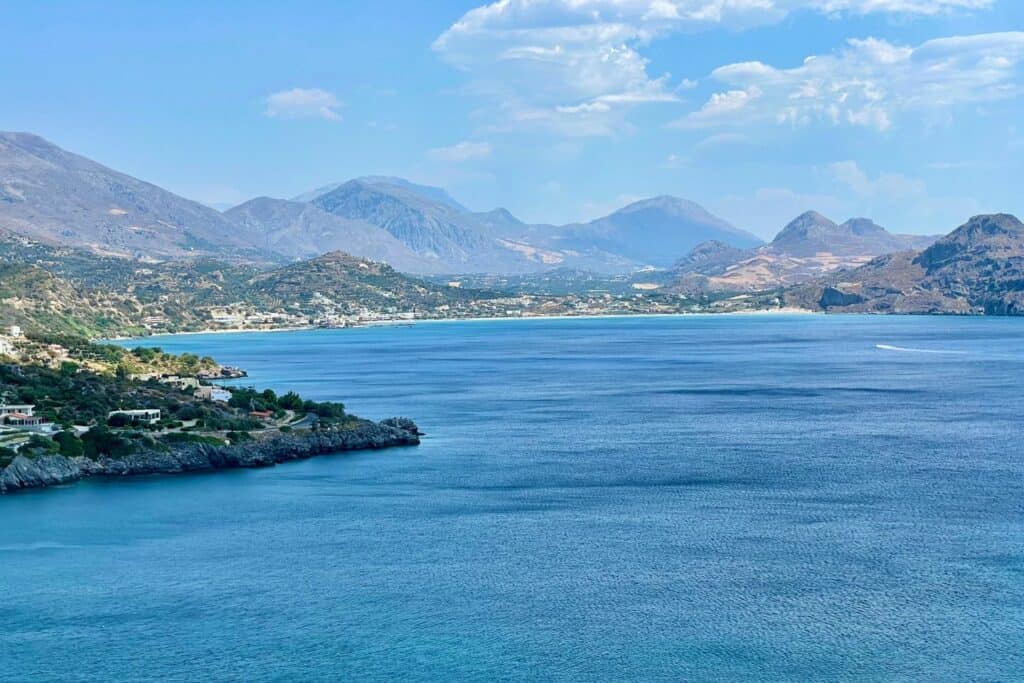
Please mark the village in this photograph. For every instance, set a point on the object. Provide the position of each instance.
(322, 312)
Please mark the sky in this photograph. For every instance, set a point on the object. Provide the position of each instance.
(910, 112)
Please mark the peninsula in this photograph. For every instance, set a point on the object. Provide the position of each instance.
(77, 409)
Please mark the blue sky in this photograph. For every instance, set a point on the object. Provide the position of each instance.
(906, 111)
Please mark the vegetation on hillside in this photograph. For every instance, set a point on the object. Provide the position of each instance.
(73, 397)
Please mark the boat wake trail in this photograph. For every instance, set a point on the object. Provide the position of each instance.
(904, 349)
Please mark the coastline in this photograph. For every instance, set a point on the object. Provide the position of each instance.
(419, 321)
(54, 470)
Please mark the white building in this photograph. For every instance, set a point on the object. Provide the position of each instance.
(16, 409)
(148, 415)
(14, 331)
(6, 348)
(182, 383)
(211, 393)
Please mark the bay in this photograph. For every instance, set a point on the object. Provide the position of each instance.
(689, 498)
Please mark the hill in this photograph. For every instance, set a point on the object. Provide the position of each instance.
(807, 248)
(435, 194)
(811, 233)
(39, 301)
(454, 240)
(57, 197)
(343, 284)
(978, 268)
(298, 230)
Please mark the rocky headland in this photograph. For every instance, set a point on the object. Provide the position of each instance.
(52, 470)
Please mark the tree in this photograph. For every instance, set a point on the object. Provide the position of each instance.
(101, 441)
(70, 445)
(290, 401)
(119, 420)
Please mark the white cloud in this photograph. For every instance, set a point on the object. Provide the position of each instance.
(303, 103)
(572, 65)
(721, 140)
(925, 7)
(674, 161)
(462, 151)
(886, 187)
(868, 83)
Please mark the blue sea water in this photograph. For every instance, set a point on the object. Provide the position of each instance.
(696, 498)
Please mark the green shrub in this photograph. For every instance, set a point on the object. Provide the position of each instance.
(184, 437)
(100, 441)
(6, 456)
(69, 444)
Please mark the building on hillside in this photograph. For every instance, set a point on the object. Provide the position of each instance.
(23, 417)
(147, 415)
(17, 408)
(183, 383)
(22, 420)
(212, 393)
(14, 331)
(6, 347)
(263, 415)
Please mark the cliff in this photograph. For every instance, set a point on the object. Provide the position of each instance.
(51, 470)
(976, 269)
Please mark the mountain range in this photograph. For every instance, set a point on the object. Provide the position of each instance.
(978, 268)
(60, 198)
(102, 250)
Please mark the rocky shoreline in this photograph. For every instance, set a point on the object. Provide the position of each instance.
(52, 470)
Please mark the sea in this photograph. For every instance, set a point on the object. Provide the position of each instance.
(694, 498)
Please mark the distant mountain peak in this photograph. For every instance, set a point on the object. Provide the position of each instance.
(665, 202)
(863, 226)
(1000, 233)
(58, 197)
(812, 233)
(977, 268)
(427, 192)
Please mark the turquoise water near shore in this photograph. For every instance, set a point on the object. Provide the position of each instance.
(695, 498)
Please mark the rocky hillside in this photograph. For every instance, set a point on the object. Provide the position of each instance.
(434, 194)
(39, 301)
(57, 197)
(811, 233)
(64, 290)
(978, 268)
(808, 247)
(447, 236)
(298, 230)
(349, 283)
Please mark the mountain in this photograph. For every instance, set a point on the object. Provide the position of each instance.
(58, 197)
(456, 241)
(811, 233)
(978, 268)
(808, 247)
(652, 232)
(298, 230)
(435, 194)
